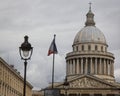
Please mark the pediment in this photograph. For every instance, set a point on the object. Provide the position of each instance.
(89, 82)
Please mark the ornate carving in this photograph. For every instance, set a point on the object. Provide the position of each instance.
(88, 83)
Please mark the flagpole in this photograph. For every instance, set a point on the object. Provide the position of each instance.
(53, 72)
(53, 68)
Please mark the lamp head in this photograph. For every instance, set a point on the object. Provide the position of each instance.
(25, 49)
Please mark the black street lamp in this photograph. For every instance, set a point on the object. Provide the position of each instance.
(66, 85)
(25, 53)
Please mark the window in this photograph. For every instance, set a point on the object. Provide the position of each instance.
(76, 48)
(102, 48)
(105, 49)
(96, 48)
(82, 47)
(89, 47)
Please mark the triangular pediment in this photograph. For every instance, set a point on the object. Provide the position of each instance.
(89, 82)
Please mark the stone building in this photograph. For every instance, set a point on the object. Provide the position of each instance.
(90, 67)
(37, 93)
(11, 82)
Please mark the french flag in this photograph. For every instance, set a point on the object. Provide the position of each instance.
(53, 48)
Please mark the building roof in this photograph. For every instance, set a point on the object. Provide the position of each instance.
(90, 33)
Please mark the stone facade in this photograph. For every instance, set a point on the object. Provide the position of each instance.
(90, 67)
(11, 82)
(37, 93)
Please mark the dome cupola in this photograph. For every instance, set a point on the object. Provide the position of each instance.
(90, 18)
(90, 33)
(90, 55)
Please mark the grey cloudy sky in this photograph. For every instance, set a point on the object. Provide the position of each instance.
(40, 20)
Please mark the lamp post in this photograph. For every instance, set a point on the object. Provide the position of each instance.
(66, 85)
(25, 51)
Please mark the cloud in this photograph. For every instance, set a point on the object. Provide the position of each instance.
(40, 20)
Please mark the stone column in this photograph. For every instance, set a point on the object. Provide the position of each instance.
(81, 66)
(73, 66)
(112, 68)
(67, 67)
(70, 66)
(95, 65)
(100, 68)
(91, 67)
(86, 65)
(104, 67)
(78, 66)
(107, 67)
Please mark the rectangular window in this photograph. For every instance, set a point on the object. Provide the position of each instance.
(96, 48)
(89, 47)
(82, 47)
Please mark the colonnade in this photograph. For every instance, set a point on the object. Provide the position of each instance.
(90, 65)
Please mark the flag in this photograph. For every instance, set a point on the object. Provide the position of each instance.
(53, 48)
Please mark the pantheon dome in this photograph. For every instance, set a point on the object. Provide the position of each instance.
(90, 34)
(89, 66)
(90, 55)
